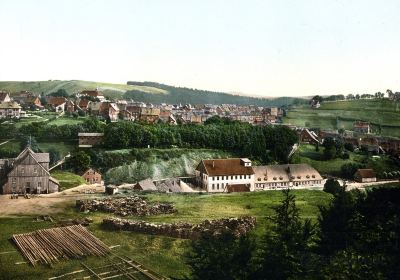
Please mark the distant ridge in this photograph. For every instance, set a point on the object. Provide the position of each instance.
(197, 96)
(147, 92)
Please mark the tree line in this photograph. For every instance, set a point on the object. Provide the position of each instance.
(356, 237)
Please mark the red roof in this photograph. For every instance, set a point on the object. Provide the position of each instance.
(365, 173)
(221, 167)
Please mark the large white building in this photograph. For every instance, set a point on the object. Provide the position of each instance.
(10, 110)
(238, 175)
(271, 177)
(225, 175)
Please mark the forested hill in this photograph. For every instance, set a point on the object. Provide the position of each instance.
(196, 96)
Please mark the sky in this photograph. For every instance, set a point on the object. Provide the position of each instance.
(265, 48)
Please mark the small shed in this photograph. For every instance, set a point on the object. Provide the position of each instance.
(91, 176)
(110, 189)
(145, 185)
(365, 175)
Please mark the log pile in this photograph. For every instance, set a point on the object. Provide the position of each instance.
(48, 246)
(125, 206)
(237, 226)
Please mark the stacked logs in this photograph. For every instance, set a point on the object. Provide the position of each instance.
(236, 226)
(48, 246)
(125, 206)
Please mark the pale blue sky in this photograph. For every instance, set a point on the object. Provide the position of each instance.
(270, 48)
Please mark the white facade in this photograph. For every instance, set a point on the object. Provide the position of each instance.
(220, 183)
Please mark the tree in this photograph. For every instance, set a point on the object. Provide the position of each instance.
(60, 93)
(79, 161)
(332, 186)
(224, 257)
(29, 141)
(54, 155)
(335, 227)
(349, 169)
(287, 249)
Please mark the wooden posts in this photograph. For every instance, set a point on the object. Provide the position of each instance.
(48, 246)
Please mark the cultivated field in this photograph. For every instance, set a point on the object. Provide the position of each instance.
(383, 114)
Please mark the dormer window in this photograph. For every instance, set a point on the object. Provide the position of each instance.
(298, 177)
(274, 178)
(259, 179)
(308, 176)
(313, 176)
(280, 178)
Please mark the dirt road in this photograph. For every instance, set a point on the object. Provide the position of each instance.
(46, 204)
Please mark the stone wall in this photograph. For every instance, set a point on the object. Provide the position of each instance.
(237, 226)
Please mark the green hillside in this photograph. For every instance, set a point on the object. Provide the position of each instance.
(383, 114)
(146, 92)
(75, 86)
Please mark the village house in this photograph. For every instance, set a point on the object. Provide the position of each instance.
(93, 93)
(90, 139)
(10, 110)
(309, 136)
(149, 115)
(365, 175)
(28, 100)
(4, 96)
(92, 176)
(362, 127)
(83, 104)
(27, 174)
(221, 175)
(57, 103)
(272, 177)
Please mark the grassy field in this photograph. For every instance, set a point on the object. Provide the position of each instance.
(67, 180)
(66, 120)
(162, 254)
(75, 86)
(307, 154)
(342, 114)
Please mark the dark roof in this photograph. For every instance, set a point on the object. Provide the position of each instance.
(145, 185)
(220, 167)
(3, 95)
(365, 173)
(238, 188)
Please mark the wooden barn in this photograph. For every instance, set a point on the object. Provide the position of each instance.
(28, 173)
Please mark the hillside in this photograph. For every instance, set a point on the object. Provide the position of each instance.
(146, 92)
(196, 96)
(383, 114)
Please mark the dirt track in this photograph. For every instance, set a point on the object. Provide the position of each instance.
(44, 204)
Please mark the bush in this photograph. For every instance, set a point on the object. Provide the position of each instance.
(348, 170)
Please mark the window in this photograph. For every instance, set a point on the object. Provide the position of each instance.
(236, 177)
(213, 187)
(218, 186)
(22, 170)
(240, 176)
(35, 170)
(213, 178)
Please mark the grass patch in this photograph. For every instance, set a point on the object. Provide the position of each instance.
(162, 254)
(383, 115)
(67, 179)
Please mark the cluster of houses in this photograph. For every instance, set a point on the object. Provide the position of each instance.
(93, 102)
(359, 137)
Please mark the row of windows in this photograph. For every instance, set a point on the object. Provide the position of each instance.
(213, 186)
(286, 184)
(231, 177)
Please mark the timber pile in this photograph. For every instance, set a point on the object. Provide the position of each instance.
(237, 226)
(125, 206)
(48, 246)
